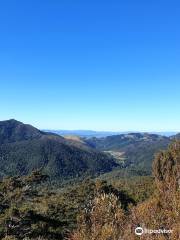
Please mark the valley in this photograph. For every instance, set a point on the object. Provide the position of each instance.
(50, 184)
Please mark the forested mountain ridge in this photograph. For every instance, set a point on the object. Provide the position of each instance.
(137, 149)
(12, 131)
(122, 141)
(24, 148)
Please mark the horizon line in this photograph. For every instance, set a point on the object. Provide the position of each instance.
(113, 131)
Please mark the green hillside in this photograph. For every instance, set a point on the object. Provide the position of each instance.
(24, 148)
(136, 149)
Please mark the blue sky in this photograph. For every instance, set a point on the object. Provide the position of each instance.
(100, 65)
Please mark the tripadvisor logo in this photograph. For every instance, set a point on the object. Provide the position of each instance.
(139, 231)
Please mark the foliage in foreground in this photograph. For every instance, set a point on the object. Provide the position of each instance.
(104, 218)
(30, 210)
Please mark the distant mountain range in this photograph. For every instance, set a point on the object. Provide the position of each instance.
(132, 150)
(24, 148)
(90, 133)
(82, 133)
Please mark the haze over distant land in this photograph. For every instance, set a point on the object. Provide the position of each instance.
(91, 133)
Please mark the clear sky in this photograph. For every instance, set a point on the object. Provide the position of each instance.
(95, 64)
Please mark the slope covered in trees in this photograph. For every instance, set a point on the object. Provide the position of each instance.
(31, 210)
(24, 148)
(137, 149)
(13, 131)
